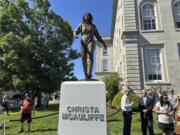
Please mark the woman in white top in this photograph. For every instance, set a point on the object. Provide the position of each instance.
(165, 115)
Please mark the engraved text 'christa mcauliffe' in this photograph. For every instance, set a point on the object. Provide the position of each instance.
(83, 113)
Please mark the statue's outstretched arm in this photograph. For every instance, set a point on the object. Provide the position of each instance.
(99, 38)
(77, 31)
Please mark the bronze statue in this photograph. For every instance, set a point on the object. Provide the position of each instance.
(88, 30)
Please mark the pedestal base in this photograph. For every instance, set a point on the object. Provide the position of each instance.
(82, 108)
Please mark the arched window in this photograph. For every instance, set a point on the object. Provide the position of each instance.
(177, 13)
(104, 65)
(148, 19)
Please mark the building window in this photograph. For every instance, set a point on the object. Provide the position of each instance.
(153, 64)
(177, 14)
(105, 52)
(148, 18)
(104, 65)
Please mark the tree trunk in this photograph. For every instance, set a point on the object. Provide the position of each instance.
(39, 96)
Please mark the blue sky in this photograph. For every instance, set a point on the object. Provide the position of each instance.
(73, 10)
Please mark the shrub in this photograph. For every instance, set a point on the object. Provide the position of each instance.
(112, 85)
(134, 97)
(116, 102)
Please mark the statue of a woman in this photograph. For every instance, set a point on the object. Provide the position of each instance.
(88, 30)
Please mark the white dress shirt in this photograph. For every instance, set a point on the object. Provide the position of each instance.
(125, 103)
(145, 100)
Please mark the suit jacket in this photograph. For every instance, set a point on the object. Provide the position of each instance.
(155, 98)
(148, 106)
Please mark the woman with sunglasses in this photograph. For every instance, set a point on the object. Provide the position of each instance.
(165, 115)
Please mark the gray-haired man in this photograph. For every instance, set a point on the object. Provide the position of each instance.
(145, 106)
(127, 112)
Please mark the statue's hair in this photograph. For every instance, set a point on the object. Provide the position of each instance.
(90, 16)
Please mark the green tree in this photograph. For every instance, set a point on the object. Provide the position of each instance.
(112, 85)
(35, 47)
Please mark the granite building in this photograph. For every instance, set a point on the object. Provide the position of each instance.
(104, 59)
(146, 43)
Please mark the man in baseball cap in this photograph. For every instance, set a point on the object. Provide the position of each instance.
(26, 112)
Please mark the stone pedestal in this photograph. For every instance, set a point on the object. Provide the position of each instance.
(82, 108)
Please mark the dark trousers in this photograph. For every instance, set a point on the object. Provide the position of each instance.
(127, 117)
(147, 124)
(6, 108)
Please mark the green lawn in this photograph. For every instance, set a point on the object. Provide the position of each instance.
(45, 122)
(115, 125)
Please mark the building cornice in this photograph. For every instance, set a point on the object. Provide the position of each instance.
(103, 73)
(104, 38)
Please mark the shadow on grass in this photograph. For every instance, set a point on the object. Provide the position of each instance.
(46, 115)
(39, 117)
(114, 120)
(44, 130)
(52, 107)
(1, 127)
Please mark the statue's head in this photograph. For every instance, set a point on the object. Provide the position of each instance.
(88, 18)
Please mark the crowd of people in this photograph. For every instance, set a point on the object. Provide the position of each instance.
(166, 108)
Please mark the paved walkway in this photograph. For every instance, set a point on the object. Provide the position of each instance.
(111, 110)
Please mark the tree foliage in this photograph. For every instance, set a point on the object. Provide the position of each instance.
(35, 46)
(112, 85)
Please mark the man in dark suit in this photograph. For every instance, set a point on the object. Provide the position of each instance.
(145, 106)
(156, 95)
